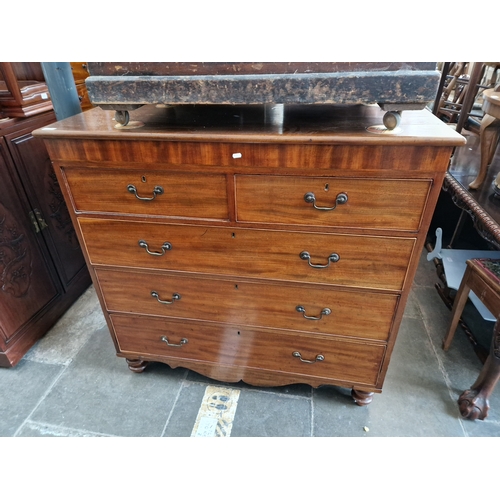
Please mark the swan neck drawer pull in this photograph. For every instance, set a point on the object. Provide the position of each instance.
(326, 311)
(319, 357)
(340, 200)
(157, 190)
(156, 295)
(166, 246)
(334, 257)
(180, 344)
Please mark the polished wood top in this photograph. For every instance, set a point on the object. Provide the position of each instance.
(274, 124)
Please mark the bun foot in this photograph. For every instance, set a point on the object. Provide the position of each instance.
(137, 365)
(362, 398)
(473, 406)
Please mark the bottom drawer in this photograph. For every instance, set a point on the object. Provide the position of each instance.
(337, 360)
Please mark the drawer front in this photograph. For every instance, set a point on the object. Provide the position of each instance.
(273, 305)
(236, 155)
(336, 202)
(363, 261)
(346, 361)
(143, 192)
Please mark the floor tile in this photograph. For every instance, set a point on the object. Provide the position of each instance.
(412, 309)
(21, 389)
(98, 393)
(415, 400)
(35, 429)
(266, 414)
(71, 332)
(183, 418)
(460, 364)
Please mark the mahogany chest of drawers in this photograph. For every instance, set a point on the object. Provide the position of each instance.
(245, 247)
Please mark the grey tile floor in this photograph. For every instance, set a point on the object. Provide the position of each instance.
(72, 384)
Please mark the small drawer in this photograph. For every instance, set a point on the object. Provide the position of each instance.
(333, 259)
(315, 356)
(145, 192)
(323, 310)
(336, 202)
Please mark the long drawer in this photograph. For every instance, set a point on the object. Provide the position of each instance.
(339, 202)
(341, 360)
(340, 259)
(273, 305)
(146, 192)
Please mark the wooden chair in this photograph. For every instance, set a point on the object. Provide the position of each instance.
(482, 276)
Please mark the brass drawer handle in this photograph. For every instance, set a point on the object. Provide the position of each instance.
(156, 295)
(182, 342)
(333, 257)
(157, 190)
(326, 311)
(340, 200)
(319, 357)
(166, 246)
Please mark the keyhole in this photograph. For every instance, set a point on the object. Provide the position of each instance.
(327, 187)
(233, 235)
(143, 179)
(236, 286)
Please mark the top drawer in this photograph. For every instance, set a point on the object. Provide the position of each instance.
(340, 202)
(146, 192)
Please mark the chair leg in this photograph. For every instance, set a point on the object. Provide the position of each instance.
(458, 307)
(474, 403)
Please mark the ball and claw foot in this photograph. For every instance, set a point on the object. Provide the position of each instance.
(362, 398)
(472, 405)
(137, 365)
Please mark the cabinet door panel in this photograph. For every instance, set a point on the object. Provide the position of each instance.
(26, 286)
(38, 176)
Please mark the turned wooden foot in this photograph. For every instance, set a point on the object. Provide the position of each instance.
(137, 365)
(362, 398)
(474, 403)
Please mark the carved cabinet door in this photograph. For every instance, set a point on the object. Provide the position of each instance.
(27, 285)
(38, 177)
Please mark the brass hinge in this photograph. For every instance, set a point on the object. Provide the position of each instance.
(41, 221)
(34, 222)
(37, 220)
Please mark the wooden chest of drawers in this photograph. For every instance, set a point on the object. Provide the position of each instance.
(246, 249)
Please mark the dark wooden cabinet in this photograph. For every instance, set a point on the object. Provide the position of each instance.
(42, 269)
(23, 91)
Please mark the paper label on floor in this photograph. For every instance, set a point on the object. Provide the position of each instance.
(216, 414)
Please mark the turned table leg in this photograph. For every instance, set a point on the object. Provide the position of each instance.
(474, 403)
